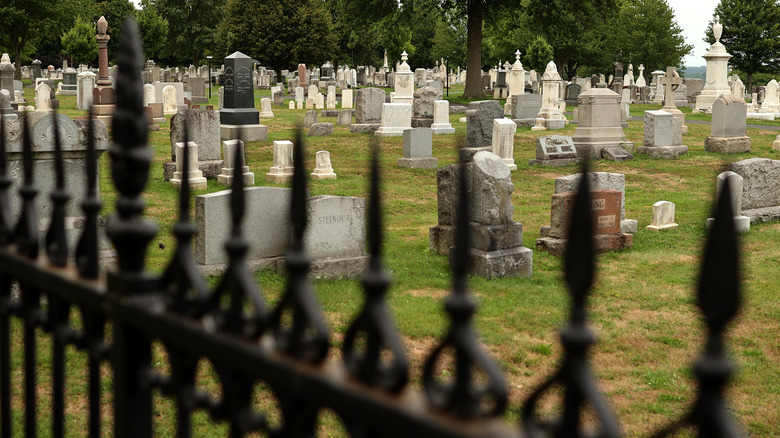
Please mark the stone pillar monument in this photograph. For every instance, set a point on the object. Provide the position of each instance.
(516, 80)
(670, 82)
(103, 95)
(404, 82)
(238, 112)
(717, 81)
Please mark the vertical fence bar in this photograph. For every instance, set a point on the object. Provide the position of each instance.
(130, 233)
(93, 331)
(5, 293)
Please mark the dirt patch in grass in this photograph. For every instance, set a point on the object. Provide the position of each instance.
(428, 293)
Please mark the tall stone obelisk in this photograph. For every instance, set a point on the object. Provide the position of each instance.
(103, 95)
(717, 81)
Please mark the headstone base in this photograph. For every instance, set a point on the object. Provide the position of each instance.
(741, 223)
(363, 128)
(616, 154)
(555, 163)
(662, 227)
(766, 214)
(226, 178)
(278, 177)
(761, 116)
(544, 124)
(513, 262)
(597, 150)
(211, 169)
(442, 128)
(248, 132)
(320, 176)
(390, 131)
(727, 145)
(664, 151)
(525, 123)
(441, 238)
(422, 122)
(419, 163)
(196, 183)
(351, 267)
(602, 243)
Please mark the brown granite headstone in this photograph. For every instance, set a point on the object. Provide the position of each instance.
(605, 205)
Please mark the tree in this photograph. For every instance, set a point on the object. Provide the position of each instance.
(643, 21)
(280, 33)
(192, 26)
(538, 55)
(578, 30)
(449, 41)
(115, 11)
(23, 22)
(154, 31)
(79, 42)
(751, 33)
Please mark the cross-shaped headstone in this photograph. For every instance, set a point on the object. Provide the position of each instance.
(669, 81)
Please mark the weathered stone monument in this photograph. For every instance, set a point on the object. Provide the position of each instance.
(760, 188)
(231, 167)
(396, 117)
(404, 82)
(741, 223)
(550, 116)
(555, 150)
(717, 82)
(663, 216)
(497, 240)
(479, 124)
(516, 78)
(85, 83)
(441, 118)
(238, 112)
(195, 178)
(671, 81)
(598, 124)
(368, 110)
(282, 170)
(203, 130)
(663, 135)
(729, 125)
(323, 168)
(104, 94)
(525, 107)
(265, 108)
(503, 142)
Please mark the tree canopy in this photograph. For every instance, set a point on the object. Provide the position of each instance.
(79, 42)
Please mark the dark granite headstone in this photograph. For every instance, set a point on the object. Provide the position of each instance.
(572, 93)
(239, 100)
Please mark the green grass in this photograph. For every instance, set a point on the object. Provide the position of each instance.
(642, 306)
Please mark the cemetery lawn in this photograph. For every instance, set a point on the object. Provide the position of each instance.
(642, 307)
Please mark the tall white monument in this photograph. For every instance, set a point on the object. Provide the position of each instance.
(717, 81)
(404, 82)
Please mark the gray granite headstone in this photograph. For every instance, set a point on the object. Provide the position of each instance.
(418, 143)
(761, 182)
(660, 129)
(336, 227)
(526, 106)
(479, 122)
(203, 128)
(729, 117)
(368, 105)
(492, 190)
(310, 118)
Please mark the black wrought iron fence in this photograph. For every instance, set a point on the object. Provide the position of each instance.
(287, 347)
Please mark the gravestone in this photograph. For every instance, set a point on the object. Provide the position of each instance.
(323, 168)
(663, 217)
(598, 123)
(606, 206)
(555, 150)
(169, 100)
(368, 110)
(238, 113)
(418, 149)
(663, 135)
(670, 82)
(229, 170)
(311, 117)
(396, 117)
(149, 94)
(503, 142)
(195, 178)
(741, 223)
(441, 118)
(282, 170)
(345, 117)
(321, 128)
(601, 181)
(265, 108)
(572, 93)
(69, 86)
(203, 129)
(85, 82)
(551, 114)
(42, 98)
(424, 98)
(761, 188)
(729, 122)
(525, 107)
(278, 98)
(346, 99)
(479, 125)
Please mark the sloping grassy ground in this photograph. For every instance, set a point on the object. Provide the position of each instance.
(642, 306)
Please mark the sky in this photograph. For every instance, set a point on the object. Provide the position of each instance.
(693, 17)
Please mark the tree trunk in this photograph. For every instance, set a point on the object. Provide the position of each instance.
(750, 85)
(474, 88)
(18, 60)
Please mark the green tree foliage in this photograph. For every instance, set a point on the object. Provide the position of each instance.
(154, 31)
(357, 38)
(79, 42)
(578, 30)
(751, 33)
(115, 11)
(449, 41)
(538, 55)
(649, 34)
(22, 23)
(279, 33)
(192, 27)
